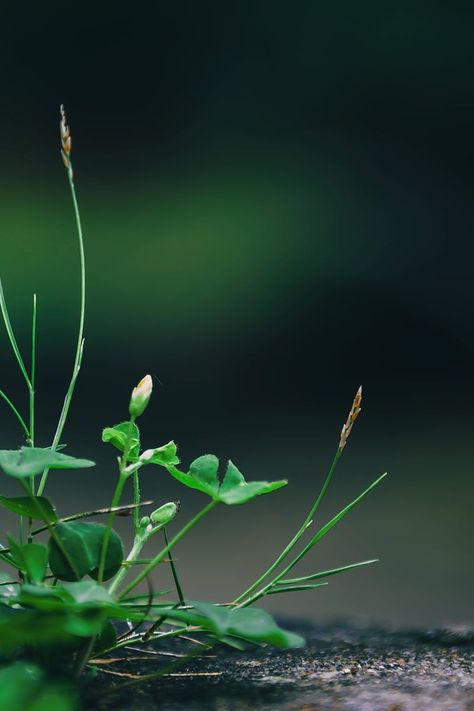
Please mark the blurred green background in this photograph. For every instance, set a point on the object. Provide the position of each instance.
(277, 206)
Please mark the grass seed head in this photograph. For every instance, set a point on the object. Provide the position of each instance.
(66, 141)
(351, 418)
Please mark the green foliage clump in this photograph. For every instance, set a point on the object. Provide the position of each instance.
(57, 614)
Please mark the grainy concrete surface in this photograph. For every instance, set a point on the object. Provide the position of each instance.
(342, 668)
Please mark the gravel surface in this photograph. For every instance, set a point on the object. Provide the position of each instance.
(343, 667)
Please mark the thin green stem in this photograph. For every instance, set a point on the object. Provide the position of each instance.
(11, 336)
(174, 573)
(83, 658)
(16, 413)
(33, 374)
(31, 393)
(108, 529)
(287, 550)
(123, 476)
(159, 557)
(132, 556)
(80, 335)
(136, 500)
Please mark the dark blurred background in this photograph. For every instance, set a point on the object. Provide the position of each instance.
(277, 206)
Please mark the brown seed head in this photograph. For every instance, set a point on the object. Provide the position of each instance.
(351, 418)
(65, 140)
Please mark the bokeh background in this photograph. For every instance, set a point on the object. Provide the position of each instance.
(277, 206)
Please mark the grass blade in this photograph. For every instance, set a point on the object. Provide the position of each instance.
(16, 413)
(11, 335)
(326, 573)
(295, 588)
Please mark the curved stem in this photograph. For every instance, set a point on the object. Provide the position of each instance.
(16, 413)
(80, 335)
(11, 336)
(297, 536)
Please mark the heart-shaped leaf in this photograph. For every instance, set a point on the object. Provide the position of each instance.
(251, 624)
(79, 550)
(30, 461)
(234, 489)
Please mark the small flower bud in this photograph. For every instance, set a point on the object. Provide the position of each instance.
(164, 514)
(141, 396)
(144, 522)
(147, 455)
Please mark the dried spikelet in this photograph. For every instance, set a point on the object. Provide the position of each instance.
(66, 143)
(351, 418)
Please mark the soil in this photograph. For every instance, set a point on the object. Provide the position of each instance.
(343, 667)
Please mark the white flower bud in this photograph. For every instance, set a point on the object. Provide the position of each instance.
(147, 455)
(141, 396)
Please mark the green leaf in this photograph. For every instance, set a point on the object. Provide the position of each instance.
(30, 461)
(165, 456)
(88, 592)
(54, 697)
(251, 624)
(32, 559)
(22, 686)
(202, 475)
(82, 597)
(32, 507)
(234, 489)
(117, 436)
(35, 556)
(83, 544)
(26, 629)
(19, 685)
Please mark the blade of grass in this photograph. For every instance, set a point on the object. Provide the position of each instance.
(326, 573)
(317, 537)
(16, 413)
(11, 336)
(295, 588)
(306, 523)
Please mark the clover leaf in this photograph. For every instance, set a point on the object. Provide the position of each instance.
(250, 624)
(202, 475)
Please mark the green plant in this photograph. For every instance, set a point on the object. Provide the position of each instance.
(69, 581)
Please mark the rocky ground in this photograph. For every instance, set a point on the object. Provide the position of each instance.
(343, 668)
